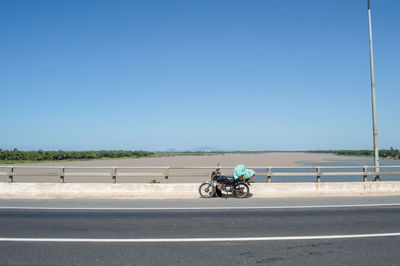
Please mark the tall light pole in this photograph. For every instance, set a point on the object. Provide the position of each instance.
(374, 126)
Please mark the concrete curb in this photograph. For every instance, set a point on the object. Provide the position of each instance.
(190, 190)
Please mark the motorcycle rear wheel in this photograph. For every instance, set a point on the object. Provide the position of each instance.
(241, 190)
(206, 190)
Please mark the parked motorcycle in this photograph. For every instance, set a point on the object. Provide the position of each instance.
(220, 183)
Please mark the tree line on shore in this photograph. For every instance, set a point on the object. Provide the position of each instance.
(392, 153)
(16, 155)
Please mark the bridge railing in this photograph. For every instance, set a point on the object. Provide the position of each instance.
(165, 172)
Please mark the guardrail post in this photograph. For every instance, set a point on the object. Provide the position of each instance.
(377, 177)
(62, 175)
(166, 174)
(318, 174)
(269, 174)
(365, 177)
(114, 175)
(11, 175)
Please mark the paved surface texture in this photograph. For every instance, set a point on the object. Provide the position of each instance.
(188, 203)
(274, 218)
(333, 252)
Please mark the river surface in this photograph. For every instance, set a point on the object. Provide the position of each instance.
(358, 162)
(255, 161)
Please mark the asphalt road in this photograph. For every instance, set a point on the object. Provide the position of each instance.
(51, 233)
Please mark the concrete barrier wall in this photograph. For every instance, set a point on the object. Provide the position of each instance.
(190, 190)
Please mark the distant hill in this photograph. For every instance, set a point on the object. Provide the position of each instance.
(172, 150)
(204, 149)
(198, 149)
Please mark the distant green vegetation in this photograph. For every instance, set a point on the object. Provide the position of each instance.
(392, 153)
(35, 156)
(16, 156)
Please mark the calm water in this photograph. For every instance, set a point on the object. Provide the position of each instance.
(342, 161)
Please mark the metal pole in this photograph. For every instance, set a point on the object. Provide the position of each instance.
(374, 126)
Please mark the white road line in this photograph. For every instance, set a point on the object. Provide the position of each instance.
(150, 240)
(200, 208)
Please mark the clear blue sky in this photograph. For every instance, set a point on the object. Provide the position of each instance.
(233, 75)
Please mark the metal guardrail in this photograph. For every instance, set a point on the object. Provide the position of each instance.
(165, 171)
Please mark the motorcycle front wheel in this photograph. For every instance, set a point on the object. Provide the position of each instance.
(241, 190)
(206, 190)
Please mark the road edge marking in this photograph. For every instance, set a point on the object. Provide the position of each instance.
(200, 208)
(158, 240)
